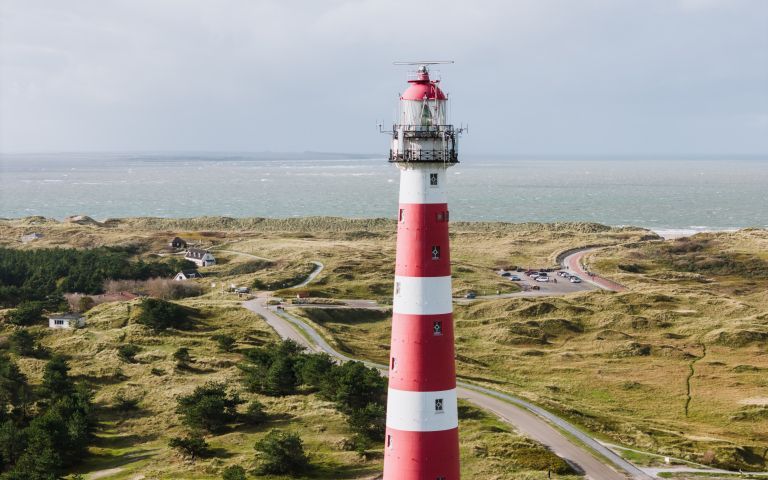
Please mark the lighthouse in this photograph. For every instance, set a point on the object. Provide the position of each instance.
(422, 435)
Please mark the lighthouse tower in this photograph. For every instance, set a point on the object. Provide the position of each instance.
(422, 436)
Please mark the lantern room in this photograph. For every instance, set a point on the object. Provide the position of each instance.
(423, 103)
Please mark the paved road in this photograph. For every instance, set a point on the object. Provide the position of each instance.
(574, 265)
(515, 413)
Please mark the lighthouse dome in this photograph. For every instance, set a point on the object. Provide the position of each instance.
(422, 87)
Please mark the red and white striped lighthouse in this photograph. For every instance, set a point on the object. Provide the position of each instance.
(422, 436)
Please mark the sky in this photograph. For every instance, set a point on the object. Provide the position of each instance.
(531, 77)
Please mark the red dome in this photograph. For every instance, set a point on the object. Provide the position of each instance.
(422, 88)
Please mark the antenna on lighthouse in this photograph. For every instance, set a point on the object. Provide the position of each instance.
(425, 62)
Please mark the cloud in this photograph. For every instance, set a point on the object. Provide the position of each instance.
(298, 75)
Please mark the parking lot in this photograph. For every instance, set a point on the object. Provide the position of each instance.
(562, 287)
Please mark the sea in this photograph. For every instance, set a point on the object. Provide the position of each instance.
(672, 196)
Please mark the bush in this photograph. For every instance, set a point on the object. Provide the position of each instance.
(234, 472)
(27, 313)
(369, 421)
(192, 446)
(255, 414)
(209, 407)
(161, 315)
(182, 357)
(226, 343)
(281, 453)
(22, 343)
(127, 352)
(85, 304)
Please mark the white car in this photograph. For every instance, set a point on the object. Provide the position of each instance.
(541, 279)
(574, 279)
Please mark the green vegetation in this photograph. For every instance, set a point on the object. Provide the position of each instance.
(36, 275)
(128, 352)
(209, 407)
(44, 434)
(162, 315)
(281, 453)
(192, 446)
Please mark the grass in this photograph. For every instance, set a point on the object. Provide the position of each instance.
(621, 365)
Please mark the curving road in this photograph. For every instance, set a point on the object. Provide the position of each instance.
(526, 417)
(573, 264)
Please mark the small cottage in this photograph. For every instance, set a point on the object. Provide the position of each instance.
(31, 237)
(66, 320)
(201, 258)
(177, 243)
(187, 274)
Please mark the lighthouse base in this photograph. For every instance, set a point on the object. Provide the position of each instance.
(421, 455)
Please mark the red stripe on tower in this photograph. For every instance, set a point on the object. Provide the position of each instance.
(422, 440)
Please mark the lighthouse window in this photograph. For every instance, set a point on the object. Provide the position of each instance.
(393, 364)
(402, 214)
(389, 440)
(432, 179)
(435, 252)
(438, 405)
(397, 288)
(437, 328)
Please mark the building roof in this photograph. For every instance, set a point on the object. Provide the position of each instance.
(196, 253)
(191, 273)
(65, 316)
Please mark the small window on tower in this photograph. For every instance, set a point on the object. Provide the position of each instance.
(435, 252)
(438, 405)
(397, 288)
(440, 217)
(437, 328)
(393, 364)
(389, 440)
(432, 179)
(402, 215)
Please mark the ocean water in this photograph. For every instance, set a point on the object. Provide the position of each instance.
(662, 194)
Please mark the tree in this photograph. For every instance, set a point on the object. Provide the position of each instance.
(14, 391)
(233, 472)
(369, 421)
(56, 382)
(192, 446)
(22, 343)
(226, 343)
(85, 304)
(127, 352)
(281, 377)
(209, 407)
(354, 386)
(182, 357)
(27, 313)
(255, 414)
(161, 315)
(281, 453)
(316, 369)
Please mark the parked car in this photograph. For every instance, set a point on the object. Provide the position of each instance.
(542, 274)
(470, 295)
(506, 274)
(541, 279)
(531, 273)
(574, 279)
(515, 278)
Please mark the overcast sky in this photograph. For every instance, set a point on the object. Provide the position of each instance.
(578, 77)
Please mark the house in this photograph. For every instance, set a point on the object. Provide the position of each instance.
(201, 258)
(31, 237)
(187, 274)
(177, 243)
(66, 320)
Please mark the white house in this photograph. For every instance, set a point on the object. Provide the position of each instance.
(31, 237)
(202, 258)
(66, 320)
(187, 274)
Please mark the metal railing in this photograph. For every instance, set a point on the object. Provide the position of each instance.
(414, 155)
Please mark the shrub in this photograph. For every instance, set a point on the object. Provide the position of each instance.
(161, 315)
(27, 313)
(85, 304)
(22, 343)
(226, 343)
(127, 352)
(281, 453)
(209, 407)
(255, 414)
(369, 421)
(182, 356)
(192, 446)
(233, 472)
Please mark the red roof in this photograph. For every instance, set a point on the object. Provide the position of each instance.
(422, 87)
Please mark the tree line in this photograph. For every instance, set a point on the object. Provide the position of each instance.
(42, 275)
(43, 430)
